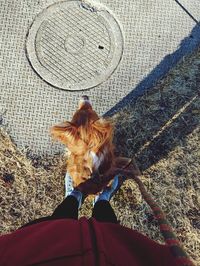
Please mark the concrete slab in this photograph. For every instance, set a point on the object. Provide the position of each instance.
(156, 35)
(191, 8)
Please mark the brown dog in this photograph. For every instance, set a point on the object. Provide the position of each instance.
(89, 141)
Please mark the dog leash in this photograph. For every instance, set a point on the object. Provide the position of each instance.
(166, 230)
(95, 184)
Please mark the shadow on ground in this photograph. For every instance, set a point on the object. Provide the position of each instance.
(152, 125)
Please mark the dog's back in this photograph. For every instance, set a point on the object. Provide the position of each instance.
(89, 141)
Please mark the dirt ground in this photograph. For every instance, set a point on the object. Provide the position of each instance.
(161, 130)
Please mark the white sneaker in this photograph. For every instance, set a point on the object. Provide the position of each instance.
(108, 192)
(68, 185)
(70, 191)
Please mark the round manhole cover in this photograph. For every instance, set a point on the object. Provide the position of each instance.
(74, 46)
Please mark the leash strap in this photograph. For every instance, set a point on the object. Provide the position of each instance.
(169, 236)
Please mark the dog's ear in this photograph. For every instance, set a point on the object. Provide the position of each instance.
(102, 133)
(63, 132)
(67, 134)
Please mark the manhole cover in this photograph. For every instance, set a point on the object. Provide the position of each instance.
(74, 46)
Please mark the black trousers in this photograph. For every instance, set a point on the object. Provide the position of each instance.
(68, 209)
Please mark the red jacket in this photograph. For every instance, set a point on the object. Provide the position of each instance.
(83, 242)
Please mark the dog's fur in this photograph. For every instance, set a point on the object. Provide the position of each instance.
(89, 141)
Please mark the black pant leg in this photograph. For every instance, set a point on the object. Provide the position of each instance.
(103, 212)
(68, 209)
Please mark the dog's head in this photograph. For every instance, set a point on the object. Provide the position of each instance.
(86, 137)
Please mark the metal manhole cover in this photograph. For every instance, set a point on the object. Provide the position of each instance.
(74, 46)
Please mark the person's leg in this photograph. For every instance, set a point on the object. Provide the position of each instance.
(103, 212)
(68, 209)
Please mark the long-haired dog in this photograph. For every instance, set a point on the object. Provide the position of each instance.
(89, 140)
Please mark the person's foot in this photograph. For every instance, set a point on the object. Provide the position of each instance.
(70, 191)
(108, 192)
(68, 185)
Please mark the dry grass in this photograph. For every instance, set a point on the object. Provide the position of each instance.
(161, 129)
